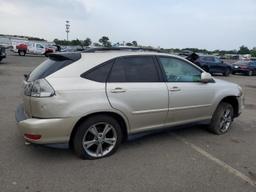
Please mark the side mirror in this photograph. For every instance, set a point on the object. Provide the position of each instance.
(205, 77)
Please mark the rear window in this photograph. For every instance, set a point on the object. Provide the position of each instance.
(48, 67)
(208, 59)
(53, 64)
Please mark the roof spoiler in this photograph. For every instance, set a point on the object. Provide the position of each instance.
(65, 56)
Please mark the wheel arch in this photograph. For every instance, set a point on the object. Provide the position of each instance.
(234, 102)
(123, 123)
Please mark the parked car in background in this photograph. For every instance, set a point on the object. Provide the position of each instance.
(34, 48)
(95, 99)
(245, 67)
(2, 53)
(213, 64)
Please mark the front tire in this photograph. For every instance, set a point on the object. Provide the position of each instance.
(22, 53)
(227, 72)
(97, 137)
(250, 73)
(222, 119)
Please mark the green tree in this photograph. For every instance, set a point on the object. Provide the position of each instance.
(243, 50)
(87, 42)
(76, 42)
(253, 52)
(129, 44)
(105, 41)
(135, 44)
(96, 44)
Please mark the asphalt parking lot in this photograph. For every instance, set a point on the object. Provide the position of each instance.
(189, 159)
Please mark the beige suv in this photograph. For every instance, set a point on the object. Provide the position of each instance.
(95, 99)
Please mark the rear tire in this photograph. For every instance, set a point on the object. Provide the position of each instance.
(92, 142)
(222, 119)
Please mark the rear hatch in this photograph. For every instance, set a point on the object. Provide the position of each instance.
(54, 63)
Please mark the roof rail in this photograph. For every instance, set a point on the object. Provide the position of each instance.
(91, 50)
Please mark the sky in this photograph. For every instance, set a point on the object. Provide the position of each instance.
(219, 24)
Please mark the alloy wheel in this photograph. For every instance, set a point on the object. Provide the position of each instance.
(226, 120)
(100, 139)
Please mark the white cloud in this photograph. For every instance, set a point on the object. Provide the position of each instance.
(220, 24)
(8, 8)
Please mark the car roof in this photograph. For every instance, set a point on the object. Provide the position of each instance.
(125, 53)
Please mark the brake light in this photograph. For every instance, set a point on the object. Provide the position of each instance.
(32, 136)
(39, 88)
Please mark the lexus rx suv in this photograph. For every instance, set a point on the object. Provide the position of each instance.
(95, 99)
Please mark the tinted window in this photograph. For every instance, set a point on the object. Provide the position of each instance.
(48, 67)
(253, 64)
(217, 60)
(99, 73)
(134, 69)
(39, 46)
(177, 70)
(208, 59)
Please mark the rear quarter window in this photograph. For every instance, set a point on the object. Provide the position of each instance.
(100, 72)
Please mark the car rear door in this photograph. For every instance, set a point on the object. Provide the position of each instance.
(189, 99)
(134, 87)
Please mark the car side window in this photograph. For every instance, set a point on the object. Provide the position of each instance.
(177, 70)
(253, 64)
(99, 73)
(39, 46)
(134, 69)
(217, 60)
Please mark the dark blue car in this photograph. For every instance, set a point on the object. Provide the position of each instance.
(213, 65)
(245, 67)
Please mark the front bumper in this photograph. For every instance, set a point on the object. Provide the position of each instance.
(240, 70)
(51, 131)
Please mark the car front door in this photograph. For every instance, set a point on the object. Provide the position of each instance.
(39, 49)
(189, 99)
(134, 87)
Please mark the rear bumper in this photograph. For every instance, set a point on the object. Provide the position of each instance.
(54, 130)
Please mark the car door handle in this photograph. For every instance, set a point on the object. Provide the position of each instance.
(174, 89)
(118, 90)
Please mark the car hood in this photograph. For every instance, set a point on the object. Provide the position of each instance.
(226, 83)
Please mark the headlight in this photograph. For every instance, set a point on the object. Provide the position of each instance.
(39, 88)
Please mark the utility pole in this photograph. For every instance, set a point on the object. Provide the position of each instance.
(67, 28)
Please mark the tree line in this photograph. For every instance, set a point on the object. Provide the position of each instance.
(102, 42)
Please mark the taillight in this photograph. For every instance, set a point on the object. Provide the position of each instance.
(32, 136)
(39, 88)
